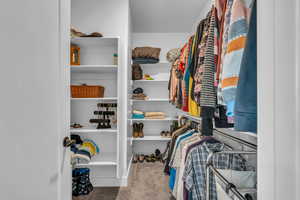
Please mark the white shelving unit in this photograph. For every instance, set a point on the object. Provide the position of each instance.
(152, 138)
(104, 159)
(93, 68)
(97, 68)
(157, 92)
(149, 81)
(96, 99)
(165, 119)
(93, 130)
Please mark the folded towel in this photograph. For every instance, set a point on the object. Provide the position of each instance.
(138, 116)
(138, 112)
(152, 114)
(145, 61)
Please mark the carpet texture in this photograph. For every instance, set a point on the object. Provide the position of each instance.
(146, 182)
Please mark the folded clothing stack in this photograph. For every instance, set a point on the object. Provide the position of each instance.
(139, 97)
(145, 55)
(136, 114)
(83, 150)
(138, 94)
(155, 115)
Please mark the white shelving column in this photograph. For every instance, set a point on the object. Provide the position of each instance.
(157, 92)
(97, 68)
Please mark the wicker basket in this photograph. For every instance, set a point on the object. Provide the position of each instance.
(87, 91)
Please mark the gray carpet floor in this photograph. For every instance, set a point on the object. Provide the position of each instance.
(146, 182)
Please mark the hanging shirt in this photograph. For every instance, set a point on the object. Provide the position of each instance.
(195, 169)
(237, 35)
(173, 170)
(178, 188)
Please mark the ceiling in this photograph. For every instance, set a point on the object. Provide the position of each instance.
(166, 16)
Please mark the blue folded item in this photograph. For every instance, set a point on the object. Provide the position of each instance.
(145, 60)
(138, 116)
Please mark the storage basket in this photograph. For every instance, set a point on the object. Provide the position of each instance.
(87, 91)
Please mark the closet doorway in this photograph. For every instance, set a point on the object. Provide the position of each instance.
(146, 34)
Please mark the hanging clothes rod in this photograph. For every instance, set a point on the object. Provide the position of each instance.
(238, 140)
(230, 186)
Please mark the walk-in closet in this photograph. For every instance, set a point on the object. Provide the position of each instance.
(166, 83)
(153, 100)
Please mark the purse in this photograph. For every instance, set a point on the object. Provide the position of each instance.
(137, 72)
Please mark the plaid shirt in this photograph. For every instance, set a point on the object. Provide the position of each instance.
(195, 169)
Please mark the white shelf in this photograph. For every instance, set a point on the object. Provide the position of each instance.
(187, 115)
(95, 38)
(151, 138)
(94, 68)
(162, 63)
(165, 119)
(92, 130)
(96, 99)
(102, 159)
(150, 81)
(151, 100)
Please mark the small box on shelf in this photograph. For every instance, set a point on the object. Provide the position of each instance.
(75, 55)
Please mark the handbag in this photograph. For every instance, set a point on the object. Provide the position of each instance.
(137, 72)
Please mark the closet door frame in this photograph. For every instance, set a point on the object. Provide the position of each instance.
(64, 168)
(278, 99)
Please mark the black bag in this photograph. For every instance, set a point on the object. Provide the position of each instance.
(137, 72)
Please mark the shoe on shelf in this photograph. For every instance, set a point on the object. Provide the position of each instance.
(135, 130)
(158, 155)
(135, 158)
(140, 130)
(141, 158)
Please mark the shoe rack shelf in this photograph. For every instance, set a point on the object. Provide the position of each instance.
(98, 68)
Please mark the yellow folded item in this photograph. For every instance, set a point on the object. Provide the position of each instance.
(151, 114)
(138, 112)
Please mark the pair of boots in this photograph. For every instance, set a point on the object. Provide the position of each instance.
(138, 130)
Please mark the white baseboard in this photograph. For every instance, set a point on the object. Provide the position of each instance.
(113, 182)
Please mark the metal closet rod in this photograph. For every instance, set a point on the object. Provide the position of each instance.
(210, 166)
(238, 140)
(231, 187)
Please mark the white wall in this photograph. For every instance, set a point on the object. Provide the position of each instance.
(111, 18)
(31, 100)
(277, 100)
